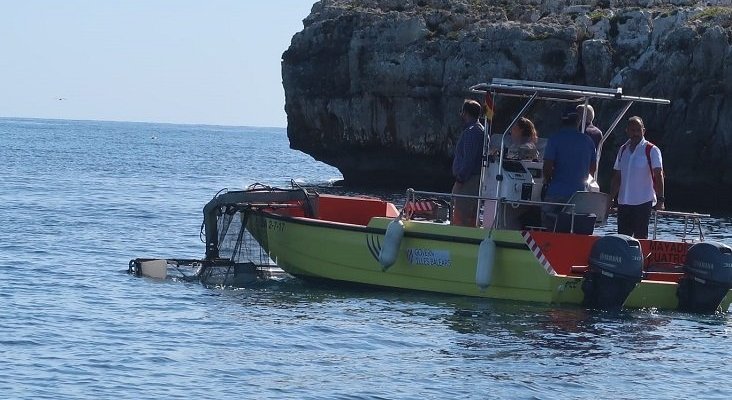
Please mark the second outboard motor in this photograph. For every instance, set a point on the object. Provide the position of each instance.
(708, 277)
(615, 268)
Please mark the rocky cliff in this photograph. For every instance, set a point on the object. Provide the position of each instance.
(373, 87)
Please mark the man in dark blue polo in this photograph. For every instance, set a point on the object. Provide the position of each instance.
(467, 164)
(569, 157)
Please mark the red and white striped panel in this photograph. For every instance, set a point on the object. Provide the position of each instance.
(537, 252)
(419, 206)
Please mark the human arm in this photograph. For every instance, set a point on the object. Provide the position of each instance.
(468, 154)
(548, 170)
(616, 179)
(659, 187)
(593, 159)
(615, 185)
(658, 177)
(550, 154)
(458, 162)
(459, 166)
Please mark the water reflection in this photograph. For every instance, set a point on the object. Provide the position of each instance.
(535, 330)
(440, 338)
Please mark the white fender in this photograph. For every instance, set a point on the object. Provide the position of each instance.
(157, 269)
(486, 260)
(392, 241)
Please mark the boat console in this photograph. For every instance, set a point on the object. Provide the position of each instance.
(521, 180)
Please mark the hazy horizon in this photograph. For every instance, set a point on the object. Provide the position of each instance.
(5, 117)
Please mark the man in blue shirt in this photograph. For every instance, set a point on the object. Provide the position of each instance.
(467, 164)
(569, 157)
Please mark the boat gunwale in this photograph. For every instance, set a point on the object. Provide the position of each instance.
(368, 229)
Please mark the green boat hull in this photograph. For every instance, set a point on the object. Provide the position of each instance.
(432, 257)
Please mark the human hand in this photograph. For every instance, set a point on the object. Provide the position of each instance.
(660, 206)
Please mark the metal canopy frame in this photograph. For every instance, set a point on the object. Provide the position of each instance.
(557, 91)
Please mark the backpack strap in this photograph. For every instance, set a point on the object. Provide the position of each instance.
(649, 147)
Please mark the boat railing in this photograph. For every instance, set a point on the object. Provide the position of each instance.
(412, 195)
(692, 221)
(569, 208)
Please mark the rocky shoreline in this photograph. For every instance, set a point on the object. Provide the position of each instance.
(373, 87)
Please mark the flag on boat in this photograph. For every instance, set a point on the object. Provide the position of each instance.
(489, 106)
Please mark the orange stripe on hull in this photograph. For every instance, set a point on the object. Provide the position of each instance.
(562, 251)
(568, 254)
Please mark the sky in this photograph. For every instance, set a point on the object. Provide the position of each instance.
(178, 61)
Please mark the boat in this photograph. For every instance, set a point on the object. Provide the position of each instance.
(371, 241)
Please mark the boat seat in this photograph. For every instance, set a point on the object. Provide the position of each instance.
(590, 203)
(353, 210)
(590, 210)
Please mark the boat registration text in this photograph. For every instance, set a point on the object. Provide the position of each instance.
(429, 257)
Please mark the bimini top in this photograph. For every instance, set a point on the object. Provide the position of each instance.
(557, 91)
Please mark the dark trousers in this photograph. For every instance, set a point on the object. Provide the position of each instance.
(633, 220)
(549, 213)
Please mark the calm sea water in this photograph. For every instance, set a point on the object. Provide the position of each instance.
(80, 199)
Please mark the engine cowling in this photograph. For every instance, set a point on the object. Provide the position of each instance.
(708, 278)
(615, 268)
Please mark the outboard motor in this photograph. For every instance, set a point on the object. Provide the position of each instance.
(708, 277)
(615, 268)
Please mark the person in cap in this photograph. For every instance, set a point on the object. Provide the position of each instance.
(590, 130)
(638, 182)
(466, 165)
(569, 157)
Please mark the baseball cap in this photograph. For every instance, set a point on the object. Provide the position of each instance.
(570, 112)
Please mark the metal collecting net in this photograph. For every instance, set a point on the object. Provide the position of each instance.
(236, 243)
(242, 261)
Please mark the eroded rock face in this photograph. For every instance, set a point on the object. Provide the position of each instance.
(373, 87)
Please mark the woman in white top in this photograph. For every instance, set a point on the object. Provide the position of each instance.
(638, 182)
